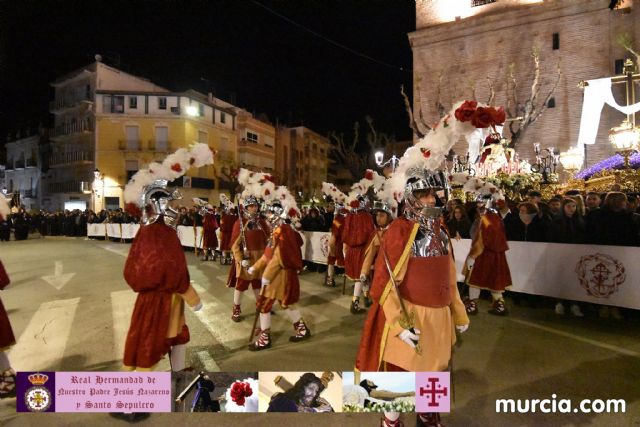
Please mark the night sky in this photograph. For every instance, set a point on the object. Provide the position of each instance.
(242, 52)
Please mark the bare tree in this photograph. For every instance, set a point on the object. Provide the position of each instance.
(349, 154)
(626, 41)
(413, 124)
(524, 114)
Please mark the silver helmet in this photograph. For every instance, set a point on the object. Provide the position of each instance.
(275, 213)
(362, 203)
(250, 200)
(155, 200)
(381, 206)
(421, 180)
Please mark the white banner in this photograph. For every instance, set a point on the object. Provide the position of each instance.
(607, 275)
(96, 230)
(316, 246)
(113, 231)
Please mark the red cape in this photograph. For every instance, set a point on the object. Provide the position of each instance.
(209, 227)
(156, 268)
(395, 240)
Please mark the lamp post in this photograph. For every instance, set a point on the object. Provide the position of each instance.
(625, 139)
(546, 161)
(571, 161)
(393, 161)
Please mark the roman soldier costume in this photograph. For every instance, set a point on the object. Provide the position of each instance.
(417, 309)
(280, 265)
(358, 227)
(336, 254)
(209, 227)
(486, 265)
(249, 238)
(156, 267)
(228, 218)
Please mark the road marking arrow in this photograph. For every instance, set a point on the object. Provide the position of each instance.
(59, 279)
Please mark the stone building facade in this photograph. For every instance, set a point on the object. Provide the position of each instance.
(458, 44)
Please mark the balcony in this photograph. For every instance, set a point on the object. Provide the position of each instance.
(29, 194)
(19, 164)
(71, 158)
(65, 187)
(71, 128)
(159, 146)
(59, 105)
(130, 145)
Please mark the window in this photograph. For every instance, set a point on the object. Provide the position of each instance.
(131, 133)
(87, 92)
(133, 102)
(162, 103)
(252, 137)
(117, 104)
(131, 166)
(223, 117)
(106, 103)
(619, 66)
(203, 138)
(162, 138)
(201, 110)
(551, 103)
(556, 41)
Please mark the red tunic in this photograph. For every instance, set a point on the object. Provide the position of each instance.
(7, 339)
(357, 229)
(289, 258)
(490, 270)
(426, 284)
(227, 221)
(209, 227)
(256, 243)
(156, 269)
(337, 228)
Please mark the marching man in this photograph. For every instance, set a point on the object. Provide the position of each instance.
(209, 227)
(336, 254)
(248, 239)
(228, 218)
(358, 226)
(280, 265)
(156, 267)
(417, 309)
(486, 265)
(384, 212)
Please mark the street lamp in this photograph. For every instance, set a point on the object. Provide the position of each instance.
(571, 160)
(625, 139)
(192, 111)
(546, 161)
(393, 161)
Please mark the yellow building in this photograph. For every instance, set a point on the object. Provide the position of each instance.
(109, 124)
(256, 146)
(302, 160)
(136, 128)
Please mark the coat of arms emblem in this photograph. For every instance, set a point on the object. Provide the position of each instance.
(600, 275)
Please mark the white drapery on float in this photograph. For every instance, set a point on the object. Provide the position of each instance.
(596, 94)
(597, 274)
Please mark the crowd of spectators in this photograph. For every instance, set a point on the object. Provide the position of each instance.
(600, 219)
(604, 219)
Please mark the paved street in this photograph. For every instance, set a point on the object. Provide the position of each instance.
(70, 309)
